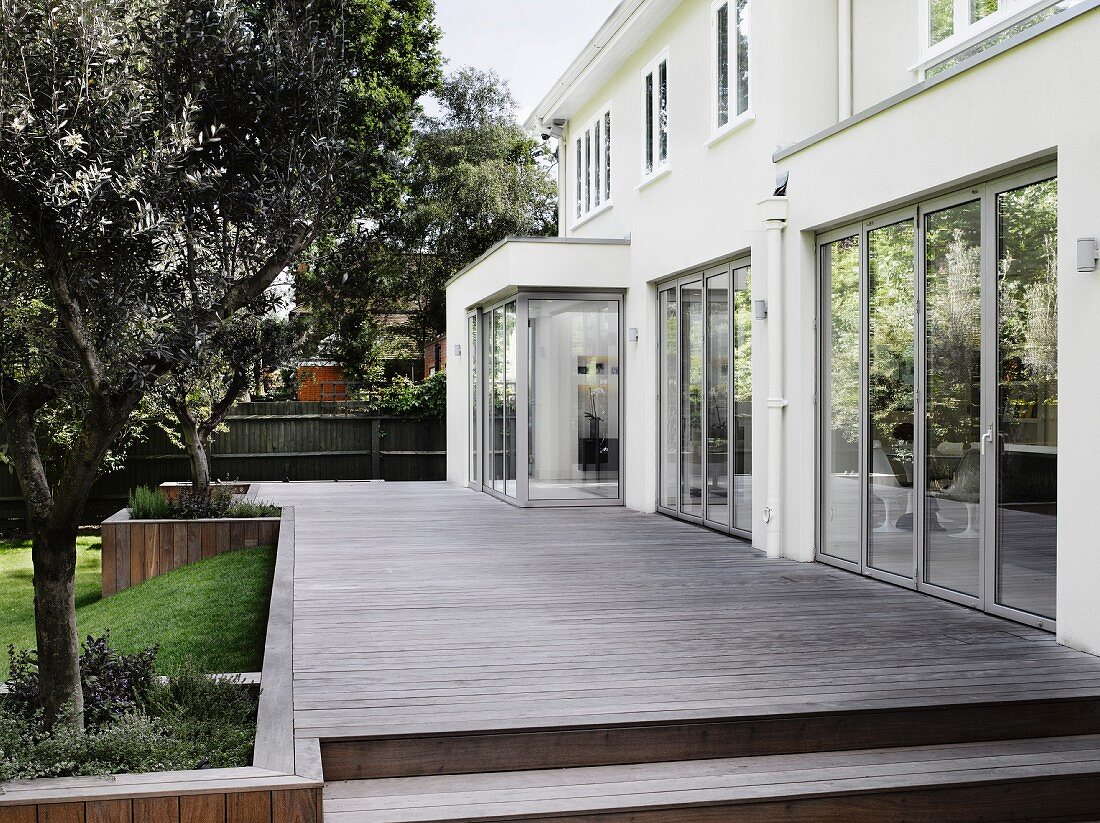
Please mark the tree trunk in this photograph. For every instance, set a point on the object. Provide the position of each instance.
(54, 553)
(195, 444)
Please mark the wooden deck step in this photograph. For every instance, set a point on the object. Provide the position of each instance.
(1047, 779)
(757, 734)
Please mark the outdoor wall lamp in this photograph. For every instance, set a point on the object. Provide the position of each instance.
(1087, 254)
(458, 350)
(759, 309)
(632, 335)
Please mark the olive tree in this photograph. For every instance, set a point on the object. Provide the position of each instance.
(161, 163)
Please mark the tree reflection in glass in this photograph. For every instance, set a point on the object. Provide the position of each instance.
(953, 403)
(890, 359)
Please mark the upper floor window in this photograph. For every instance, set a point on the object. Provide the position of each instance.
(655, 114)
(593, 164)
(731, 43)
(952, 30)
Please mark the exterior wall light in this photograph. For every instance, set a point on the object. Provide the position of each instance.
(759, 309)
(632, 335)
(1087, 254)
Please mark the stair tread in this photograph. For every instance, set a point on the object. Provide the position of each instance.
(593, 789)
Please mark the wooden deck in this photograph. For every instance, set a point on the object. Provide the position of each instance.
(439, 631)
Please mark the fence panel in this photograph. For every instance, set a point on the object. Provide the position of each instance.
(274, 441)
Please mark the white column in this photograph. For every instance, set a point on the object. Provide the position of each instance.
(773, 210)
(844, 58)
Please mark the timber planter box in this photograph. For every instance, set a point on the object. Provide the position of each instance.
(283, 784)
(136, 550)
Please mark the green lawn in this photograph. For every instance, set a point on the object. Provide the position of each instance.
(213, 612)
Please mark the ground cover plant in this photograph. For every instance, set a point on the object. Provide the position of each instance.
(133, 720)
(224, 597)
(150, 504)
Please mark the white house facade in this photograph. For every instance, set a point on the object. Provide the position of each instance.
(825, 281)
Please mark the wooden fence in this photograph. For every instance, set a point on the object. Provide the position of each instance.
(273, 441)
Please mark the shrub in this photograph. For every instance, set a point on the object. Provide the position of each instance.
(403, 397)
(148, 504)
(112, 683)
(186, 721)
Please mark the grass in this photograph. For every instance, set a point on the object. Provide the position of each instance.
(212, 613)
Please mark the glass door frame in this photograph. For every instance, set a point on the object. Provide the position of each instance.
(475, 388)
(521, 299)
(986, 193)
(698, 277)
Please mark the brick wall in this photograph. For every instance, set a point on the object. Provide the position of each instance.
(321, 383)
(435, 356)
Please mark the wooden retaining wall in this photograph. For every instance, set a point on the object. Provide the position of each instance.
(284, 784)
(274, 441)
(136, 550)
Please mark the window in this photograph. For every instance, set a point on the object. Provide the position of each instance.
(593, 177)
(731, 58)
(655, 108)
(952, 30)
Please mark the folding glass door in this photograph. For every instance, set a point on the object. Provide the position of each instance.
(705, 376)
(546, 415)
(938, 400)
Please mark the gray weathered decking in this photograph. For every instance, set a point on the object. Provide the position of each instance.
(423, 608)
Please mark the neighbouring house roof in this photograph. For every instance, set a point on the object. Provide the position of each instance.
(625, 29)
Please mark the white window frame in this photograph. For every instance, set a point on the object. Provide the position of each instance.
(592, 193)
(734, 119)
(967, 34)
(660, 166)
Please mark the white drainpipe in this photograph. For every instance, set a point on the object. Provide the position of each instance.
(773, 210)
(562, 192)
(844, 58)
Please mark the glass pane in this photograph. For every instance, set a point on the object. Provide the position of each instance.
(953, 343)
(497, 391)
(662, 71)
(649, 123)
(597, 168)
(691, 399)
(840, 400)
(722, 32)
(741, 435)
(471, 345)
(941, 20)
(981, 8)
(742, 56)
(670, 398)
(718, 382)
(587, 170)
(607, 156)
(574, 399)
(891, 282)
(510, 399)
(580, 179)
(1027, 398)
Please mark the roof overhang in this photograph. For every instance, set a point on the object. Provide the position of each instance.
(622, 33)
(556, 263)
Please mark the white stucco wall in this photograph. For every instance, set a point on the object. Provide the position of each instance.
(1035, 102)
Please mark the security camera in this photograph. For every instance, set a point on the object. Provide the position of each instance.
(555, 129)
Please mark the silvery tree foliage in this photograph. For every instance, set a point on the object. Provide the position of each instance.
(161, 163)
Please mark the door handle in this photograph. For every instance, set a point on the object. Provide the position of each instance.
(987, 438)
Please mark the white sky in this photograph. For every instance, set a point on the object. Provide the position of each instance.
(527, 42)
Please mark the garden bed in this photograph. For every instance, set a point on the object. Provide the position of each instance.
(172, 490)
(281, 786)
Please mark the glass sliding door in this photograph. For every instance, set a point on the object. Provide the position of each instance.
(496, 400)
(669, 376)
(510, 376)
(1026, 453)
(953, 401)
(718, 399)
(891, 413)
(573, 397)
(741, 397)
(841, 355)
(473, 352)
(704, 437)
(939, 397)
(691, 398)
